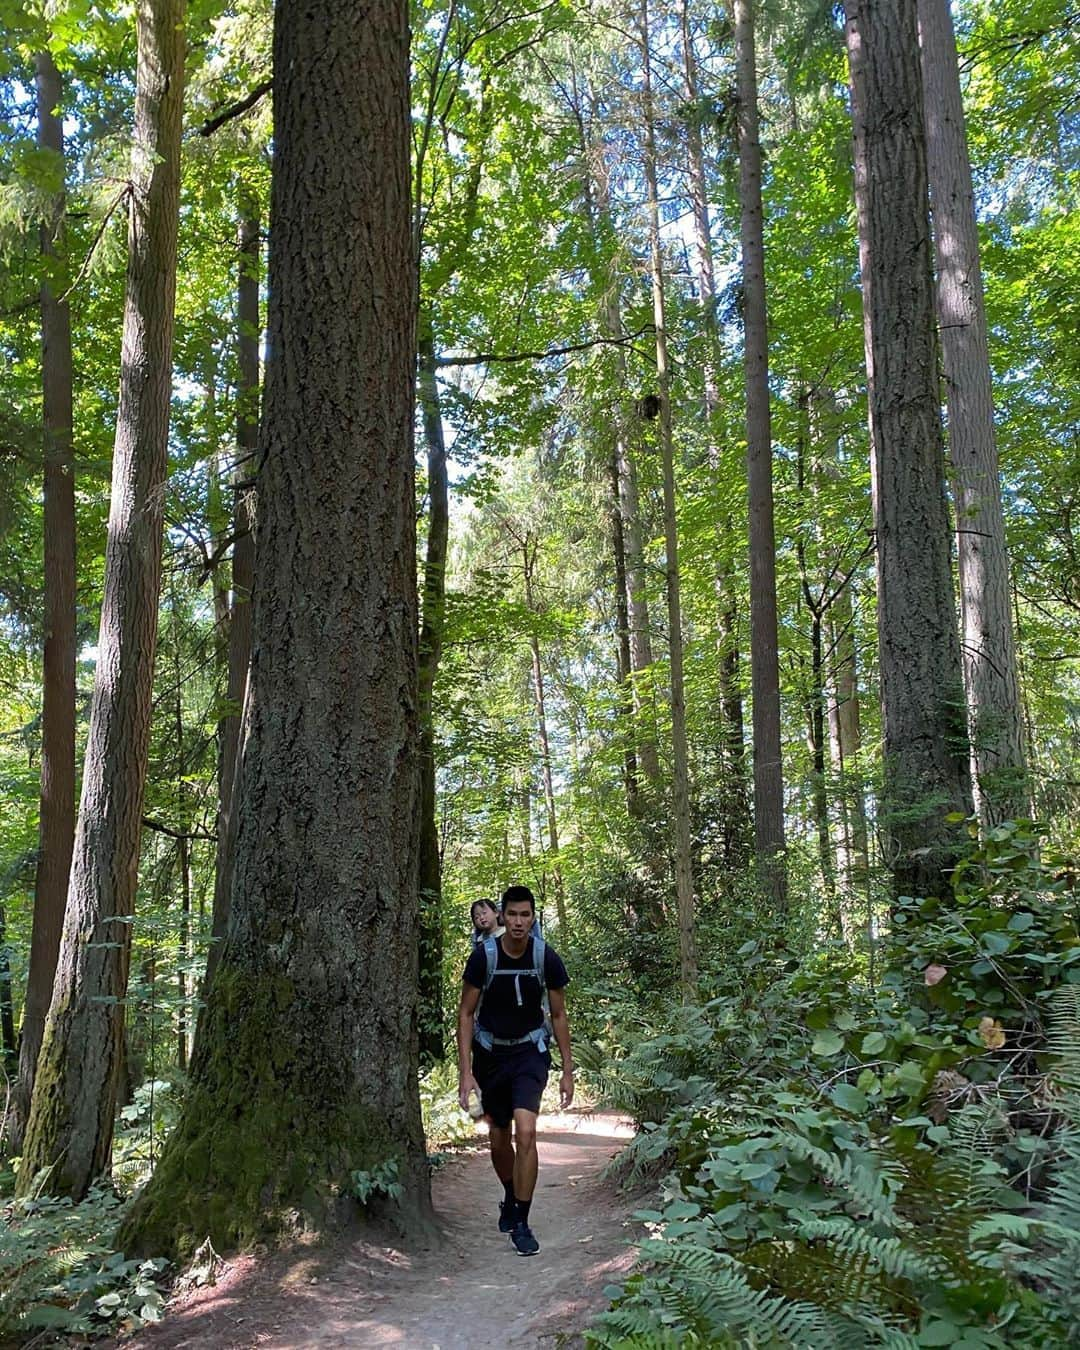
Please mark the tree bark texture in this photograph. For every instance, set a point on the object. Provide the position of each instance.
(764, 657)
(684, 875)
(925, 738)
(71, 1117)
(432, 623)
(56, 829)
(305, 1069)
(238, 620)
(995, 718)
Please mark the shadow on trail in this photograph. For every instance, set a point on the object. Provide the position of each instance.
(463, 1289)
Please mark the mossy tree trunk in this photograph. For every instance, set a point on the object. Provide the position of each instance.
(305, 1067)
(71, 1114)
(432, 623)
(922, 694)
(56, 831)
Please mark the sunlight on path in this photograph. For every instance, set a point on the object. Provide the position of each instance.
(467, 1290)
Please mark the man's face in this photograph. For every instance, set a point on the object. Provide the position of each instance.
(518, 918)
(487, 920)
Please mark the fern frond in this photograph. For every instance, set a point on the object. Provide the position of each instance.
(889, 1254)
(714, 1296)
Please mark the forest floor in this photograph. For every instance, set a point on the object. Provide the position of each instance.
(465, 1289)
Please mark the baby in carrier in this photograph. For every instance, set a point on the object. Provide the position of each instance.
(486, 921)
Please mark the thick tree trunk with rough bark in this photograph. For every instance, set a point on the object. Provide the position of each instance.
(238, 617)
(432, 622)
(680, 795)
(306, 1067)
(56, 830)
(764, 658)
(71, 1116)
(922, 698)
(995, 719)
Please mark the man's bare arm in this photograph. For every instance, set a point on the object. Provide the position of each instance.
(470, 998)
(560, 1025)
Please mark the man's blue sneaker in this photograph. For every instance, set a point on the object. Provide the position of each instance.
(506, 1216)
(522, 1238)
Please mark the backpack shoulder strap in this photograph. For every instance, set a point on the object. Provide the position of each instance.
(491, 956)
(539, 953)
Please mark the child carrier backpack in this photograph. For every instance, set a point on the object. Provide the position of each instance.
(542, 1036)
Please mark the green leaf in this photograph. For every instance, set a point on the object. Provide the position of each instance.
(849, 1098)
(681, 1209)
(873, 1043)
(827, 1043)
(995, 943)
(940, 1333)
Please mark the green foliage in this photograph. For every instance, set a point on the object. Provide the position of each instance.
(143, 1125)
(382, 1179)
(445, 1124)
(895, 1163)
(60, 1272)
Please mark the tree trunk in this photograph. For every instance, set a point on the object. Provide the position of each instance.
(238, 622)
(764, 657)
(684, 877)
(183, 843)
(926, 748)
(305, 1071)
(71, 1116)
(57, 819)
(995, 718)
(432, 620)
(529, 548)
(8, 1048)
(731, 710)
(845, 739)
(625, 700)
(637, 604)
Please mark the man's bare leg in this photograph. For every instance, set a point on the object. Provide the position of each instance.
(526, 1161)
(502, 1153)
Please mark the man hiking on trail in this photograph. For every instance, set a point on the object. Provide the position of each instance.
(501, 1020)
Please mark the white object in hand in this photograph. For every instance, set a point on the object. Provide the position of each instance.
(476, 1110)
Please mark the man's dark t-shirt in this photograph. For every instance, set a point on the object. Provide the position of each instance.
(500, 1011)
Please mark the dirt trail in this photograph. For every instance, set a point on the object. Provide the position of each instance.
(467, 1290)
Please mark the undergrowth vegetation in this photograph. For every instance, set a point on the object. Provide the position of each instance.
(847, 1164)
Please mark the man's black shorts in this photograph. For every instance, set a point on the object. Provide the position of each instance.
(511, 1078)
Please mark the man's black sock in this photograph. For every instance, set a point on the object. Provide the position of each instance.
(508, 1194)
(521, 1210)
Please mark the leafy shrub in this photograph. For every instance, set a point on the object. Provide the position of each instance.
(444, 1121)
(59, 1271)
(849, 1166)
(143, 1126)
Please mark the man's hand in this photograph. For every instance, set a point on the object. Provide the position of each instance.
(466, 1084)
(566, 1088)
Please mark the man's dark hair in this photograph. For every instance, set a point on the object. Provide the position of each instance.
(518, 895)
